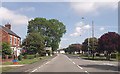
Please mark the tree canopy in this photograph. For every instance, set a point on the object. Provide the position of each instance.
(109, 42)
(93, 43)
(6, 50)
(45, 33)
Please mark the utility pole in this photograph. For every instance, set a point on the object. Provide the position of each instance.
(92, 29)
(92, 34)
(93, 38)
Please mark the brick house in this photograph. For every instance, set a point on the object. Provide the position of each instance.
(10, 37)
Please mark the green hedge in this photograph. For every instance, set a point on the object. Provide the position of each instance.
(118, 56)
(20, 57)
(29, 56)
(113, 55)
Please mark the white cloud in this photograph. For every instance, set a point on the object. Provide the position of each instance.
(83, 8)
(12, 17)
(102, 29)
(80, 29)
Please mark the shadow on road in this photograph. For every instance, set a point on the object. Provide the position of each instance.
(101, 67)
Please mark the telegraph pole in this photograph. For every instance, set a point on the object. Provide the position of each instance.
(93, 38)
(92, 29)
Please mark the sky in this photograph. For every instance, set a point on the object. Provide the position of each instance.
(103, 14)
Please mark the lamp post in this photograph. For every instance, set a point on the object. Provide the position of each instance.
(88, 41)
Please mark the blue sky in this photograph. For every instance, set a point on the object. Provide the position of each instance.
(104, 15)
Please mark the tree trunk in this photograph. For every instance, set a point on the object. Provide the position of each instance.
(93, 55)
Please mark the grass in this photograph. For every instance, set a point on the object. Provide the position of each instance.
(24, 61)
(27, 61)
(101, 58)
(4, 69)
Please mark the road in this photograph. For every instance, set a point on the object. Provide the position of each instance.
(63, 63)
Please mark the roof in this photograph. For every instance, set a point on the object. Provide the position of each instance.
(8, 31)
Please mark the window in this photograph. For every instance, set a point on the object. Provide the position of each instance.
(15, 40)
(10, 39)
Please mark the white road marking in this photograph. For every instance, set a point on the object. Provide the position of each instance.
(87, 72)
(34, 70)
(108, 64)
(92, 61)
(79, 67)
(73, 62)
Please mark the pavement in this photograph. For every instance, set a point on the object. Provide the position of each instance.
(69, 64)
(12, 65)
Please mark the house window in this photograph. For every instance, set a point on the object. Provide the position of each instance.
(15, 40)
(10, 39)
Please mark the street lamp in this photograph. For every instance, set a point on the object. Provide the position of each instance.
(88, 39)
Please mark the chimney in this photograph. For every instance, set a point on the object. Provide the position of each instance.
(8, 26)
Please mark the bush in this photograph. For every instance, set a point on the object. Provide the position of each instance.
(97, 54)
(113, 55)
(20, 57)
(25, 56)
(36, 55)
(9, 56)
(118, 56)
(30, 56)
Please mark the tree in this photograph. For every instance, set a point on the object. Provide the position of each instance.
(91, 47)
(50, 30)
(73, 47)
(108, 43)
(6, 50)
(34, 43)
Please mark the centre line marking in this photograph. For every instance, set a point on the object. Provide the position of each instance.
(34, 70)
(79, 67)
(73, 62)
(87, 72)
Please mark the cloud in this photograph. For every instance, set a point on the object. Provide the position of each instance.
(102, 29)
(12, 17)
(83, 8)
(80, 29)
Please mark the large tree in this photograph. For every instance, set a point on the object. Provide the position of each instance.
(109, 42)
(50, 30)
(73, 48)
(90, 45)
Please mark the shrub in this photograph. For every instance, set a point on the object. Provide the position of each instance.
(30, 56)
(113, 55)
(25, 56)
(118, 56)
(98, 54)
(20, 57)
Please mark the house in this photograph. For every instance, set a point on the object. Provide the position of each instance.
(6, 35)
(49, 51)
(61, 51)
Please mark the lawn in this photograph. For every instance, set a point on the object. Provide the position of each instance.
(27, 61)
(4, 69)
(24, 61)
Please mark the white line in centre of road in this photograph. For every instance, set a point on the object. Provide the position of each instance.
(79, 67)
(34, 70)
(73, 62)
(87, 72)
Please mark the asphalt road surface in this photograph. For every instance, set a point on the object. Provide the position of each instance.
(63, 63)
